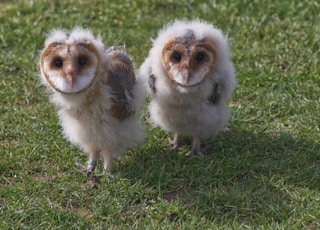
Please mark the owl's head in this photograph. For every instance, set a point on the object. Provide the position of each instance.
(69, 62)
(190, 51)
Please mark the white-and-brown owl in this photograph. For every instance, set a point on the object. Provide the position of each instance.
(190, 77)
(96, 94)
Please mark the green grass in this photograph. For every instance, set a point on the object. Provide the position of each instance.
(263, 173)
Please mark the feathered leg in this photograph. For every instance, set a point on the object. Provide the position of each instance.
(107, 163)
(196, 147)
(92, 163)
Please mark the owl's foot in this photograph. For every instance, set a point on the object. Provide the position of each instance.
(105, 174)
(89, 168)
(80, 167)
(196, 148)
(198, 152)
(107, 166)
(175, 142)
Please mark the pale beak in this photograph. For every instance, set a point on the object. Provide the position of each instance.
(70, 80)
(187, 76)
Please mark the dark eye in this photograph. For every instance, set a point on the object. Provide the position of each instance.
(176, 57)
(200, 57)
(82, 61)
(58, 62)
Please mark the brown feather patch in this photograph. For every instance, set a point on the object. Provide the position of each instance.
(121, 79)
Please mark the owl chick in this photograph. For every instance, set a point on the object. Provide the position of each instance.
(96, 94)
(190, 77)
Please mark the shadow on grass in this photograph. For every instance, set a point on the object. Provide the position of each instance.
(249, 177)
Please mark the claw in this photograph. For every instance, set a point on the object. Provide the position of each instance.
(175, 142)
(89, 168)
(89, 174)
(105, 174)
(196, 148)
(198, 153)
(107, 167)
(209, 146)
(92, 163)
(80, 167)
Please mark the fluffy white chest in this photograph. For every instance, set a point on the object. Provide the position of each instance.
(183, 108)
(90, 124)
(190, 115)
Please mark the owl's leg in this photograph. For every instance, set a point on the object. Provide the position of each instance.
(107, 163)
(196, 147)
(92, 162)
(175, 142)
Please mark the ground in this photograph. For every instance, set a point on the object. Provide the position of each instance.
(263, 171)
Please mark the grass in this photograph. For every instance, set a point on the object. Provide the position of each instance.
(263, 173)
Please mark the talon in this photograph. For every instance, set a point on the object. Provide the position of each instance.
(104, 172)
(209, 146)
(175, 142)
(173, 145)
(196, 148)
(200, 154)
(80, 167)
(89, 174)
(107, 176)
(91, 167)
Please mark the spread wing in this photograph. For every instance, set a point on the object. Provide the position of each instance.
(121, 80)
